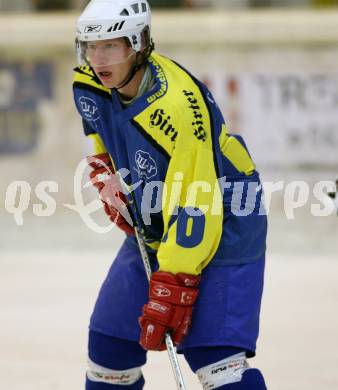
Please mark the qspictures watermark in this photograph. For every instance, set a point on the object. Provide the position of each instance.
(18, 199)
(242, 197)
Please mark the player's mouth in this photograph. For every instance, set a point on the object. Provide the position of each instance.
(105, 75)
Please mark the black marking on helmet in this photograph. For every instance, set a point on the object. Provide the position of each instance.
(135, 7)
(121, 24)
(117, 26)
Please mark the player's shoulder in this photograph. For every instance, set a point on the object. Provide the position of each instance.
(180, 88)
(177, 112)
(85, 78)
(187, 100)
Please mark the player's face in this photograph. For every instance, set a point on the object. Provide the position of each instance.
(111, 60)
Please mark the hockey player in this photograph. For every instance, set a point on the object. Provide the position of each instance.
(190, 183)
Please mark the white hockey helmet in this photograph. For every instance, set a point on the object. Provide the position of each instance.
(109, 19)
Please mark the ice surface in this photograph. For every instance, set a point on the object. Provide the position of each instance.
(46, 300)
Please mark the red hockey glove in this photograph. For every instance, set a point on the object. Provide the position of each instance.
(171, 299)
(103, 177)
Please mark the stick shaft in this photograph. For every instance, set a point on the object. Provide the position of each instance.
(169, 343)
(145, 258)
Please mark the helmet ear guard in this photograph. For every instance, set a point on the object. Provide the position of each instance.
(142, 41)
(147, 43)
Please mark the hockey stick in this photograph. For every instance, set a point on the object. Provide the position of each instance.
(169, 343)
(145, 258)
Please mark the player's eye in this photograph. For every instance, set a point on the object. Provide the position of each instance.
(111, 45)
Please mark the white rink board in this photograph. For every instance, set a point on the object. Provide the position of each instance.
(290, 119)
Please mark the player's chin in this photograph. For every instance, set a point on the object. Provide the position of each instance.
(108, 82)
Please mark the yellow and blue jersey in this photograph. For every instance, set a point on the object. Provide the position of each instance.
(188, 173)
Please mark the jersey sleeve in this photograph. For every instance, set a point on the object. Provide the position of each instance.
(98, 145)
(210, 177)
(84, 78)
(192, 225)
(87, 128)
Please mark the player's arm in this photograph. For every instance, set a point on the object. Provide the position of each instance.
(192, 212)
(191, 239)
(98, 145)
(103, 177)
(192, 232)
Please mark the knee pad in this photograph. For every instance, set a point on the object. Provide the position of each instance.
(114, 363)
(198, 357)
(230, 372)
(97, 373)
(252, 379)
(224, 372)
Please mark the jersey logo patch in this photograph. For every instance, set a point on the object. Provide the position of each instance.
(146, 166)
(89, 109)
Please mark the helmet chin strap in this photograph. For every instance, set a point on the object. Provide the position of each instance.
(136, 67)
(130, 75)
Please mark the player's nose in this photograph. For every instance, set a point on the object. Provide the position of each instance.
(100, 57)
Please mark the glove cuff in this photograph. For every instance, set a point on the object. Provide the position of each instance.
(178, 289)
